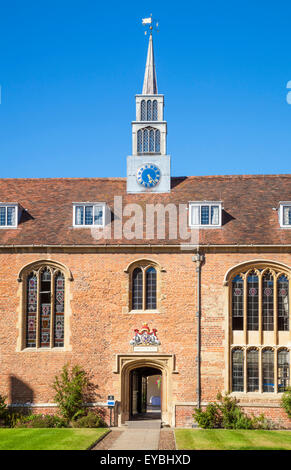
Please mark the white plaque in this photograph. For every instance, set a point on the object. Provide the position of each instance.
(145, 348)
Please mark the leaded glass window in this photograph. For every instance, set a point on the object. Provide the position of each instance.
(143, 110)
(205, 214)
(152, 140)
(237, 370)
(283, 370)
(149, 110)
(268, 302)
(252, 370)
(8, 215)
(283, 303)
(87, 214)
(268, 370)
(145, 140)
(287, 215)
(237, 303)
(151, 288)
(155, 110)
(45, 308)
(157, 141)
(144, 288)
(253, 301)
(139, 141)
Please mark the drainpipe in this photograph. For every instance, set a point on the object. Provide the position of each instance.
(198, 259)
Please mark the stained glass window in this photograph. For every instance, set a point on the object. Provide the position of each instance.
(137, 289)
(253, 301)
(59, 310)
(31, 311)
(283, 303)
(252, 370)
(268, 370)
(237, 370)
(268, 302)
(237, 303)
(283, 370)
(151, 288)
(45, 308)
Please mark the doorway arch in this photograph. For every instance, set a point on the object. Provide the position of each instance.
(162, 364)
(145, 388)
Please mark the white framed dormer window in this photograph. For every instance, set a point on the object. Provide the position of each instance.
(205, 214)
(285, 214)
(89, 214)
(8, 215)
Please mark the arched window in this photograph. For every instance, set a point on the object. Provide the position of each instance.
(237, 303)
(253, 370)
(268, 370)
(143, 110)
(151, 288)
(253, 301)
(143, 277)
(148, 140)
(149, 110)
(259, 333)
(237, 370)
(155, 110)
(137, 289)
(44, 306)
(283, 370)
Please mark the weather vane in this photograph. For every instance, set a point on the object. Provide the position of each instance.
(150, 23)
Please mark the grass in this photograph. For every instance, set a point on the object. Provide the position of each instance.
(49, 439)
(225, 439)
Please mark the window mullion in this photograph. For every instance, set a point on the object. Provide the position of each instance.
(276, 370)
(275, 306)
(245, 309)
(245, 370)
(260, 308)
(260, 371)
(37, 342)
(52, 317)
(143, 289)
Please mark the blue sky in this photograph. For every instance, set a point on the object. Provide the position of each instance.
(70, 69)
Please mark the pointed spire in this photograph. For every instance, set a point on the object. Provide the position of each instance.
(150, 86)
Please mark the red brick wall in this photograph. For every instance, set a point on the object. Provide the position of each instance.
(100, 329)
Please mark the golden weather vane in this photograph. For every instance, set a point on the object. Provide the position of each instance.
(150, 23)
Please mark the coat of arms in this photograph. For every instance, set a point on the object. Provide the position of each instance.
(145, 337)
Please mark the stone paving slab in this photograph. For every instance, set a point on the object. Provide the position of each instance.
(137, 436)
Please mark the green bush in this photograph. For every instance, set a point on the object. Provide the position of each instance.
(227, 414)
(70, 388)
(41, 421)
(286, 401)
(3, 410)
(91, 420)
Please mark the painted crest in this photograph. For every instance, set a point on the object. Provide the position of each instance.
(145, 337)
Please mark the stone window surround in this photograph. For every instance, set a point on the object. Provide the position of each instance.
(144, 264)
(36, 266)
(246, 267)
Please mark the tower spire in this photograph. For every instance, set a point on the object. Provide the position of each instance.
(150, 86)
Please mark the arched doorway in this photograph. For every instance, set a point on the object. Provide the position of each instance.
(145, 388)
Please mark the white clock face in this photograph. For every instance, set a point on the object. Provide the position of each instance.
(148, 175)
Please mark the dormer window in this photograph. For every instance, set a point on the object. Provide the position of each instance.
(86, 214)
(8, 215)
(285, 214)
(205, 214)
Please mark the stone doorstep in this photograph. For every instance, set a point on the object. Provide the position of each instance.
(144, 424)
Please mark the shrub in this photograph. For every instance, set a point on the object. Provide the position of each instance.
(70, 388)
(3, 410)
(91, 420)
(41, 421)
(227, 414)
(286, 401)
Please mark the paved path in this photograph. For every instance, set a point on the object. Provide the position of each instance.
(139, 435)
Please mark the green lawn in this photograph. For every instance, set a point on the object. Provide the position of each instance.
(224, 439)
(49, 439)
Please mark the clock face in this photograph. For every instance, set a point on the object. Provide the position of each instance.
(148, 175)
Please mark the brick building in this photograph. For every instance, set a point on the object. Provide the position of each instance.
(166, 290)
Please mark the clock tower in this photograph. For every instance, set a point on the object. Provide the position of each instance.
(148, 168)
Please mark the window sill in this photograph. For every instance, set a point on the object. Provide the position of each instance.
(143, 311)
(43, 349)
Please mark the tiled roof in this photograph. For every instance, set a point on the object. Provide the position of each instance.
(248, 208)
